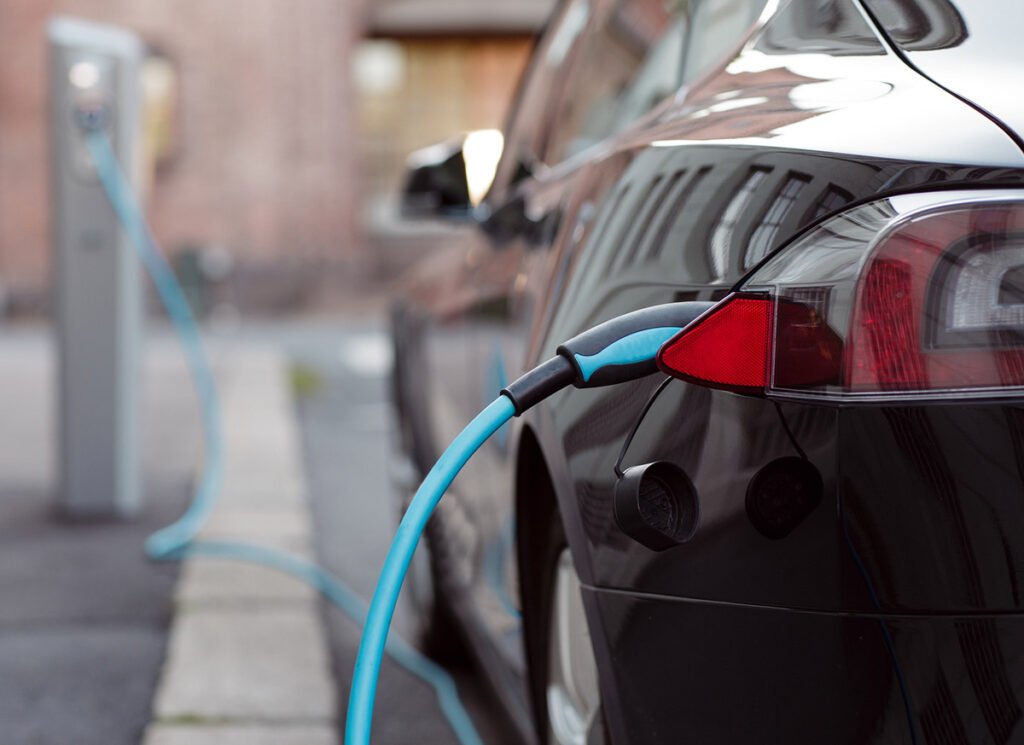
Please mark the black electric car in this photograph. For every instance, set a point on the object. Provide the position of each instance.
(838, 555)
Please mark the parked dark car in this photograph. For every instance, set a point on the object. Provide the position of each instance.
(850, 426)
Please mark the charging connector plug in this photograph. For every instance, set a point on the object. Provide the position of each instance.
(615, 351)
(91, 115)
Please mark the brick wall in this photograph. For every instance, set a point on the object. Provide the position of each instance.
(265, 167)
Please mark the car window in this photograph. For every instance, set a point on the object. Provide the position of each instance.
(628, 59)
(531, 113)
(602, 64)
(718, 27)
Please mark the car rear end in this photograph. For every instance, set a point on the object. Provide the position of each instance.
(905, 317)
(851, 419)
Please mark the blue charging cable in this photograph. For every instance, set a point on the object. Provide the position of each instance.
(179, 539)
(385, 597)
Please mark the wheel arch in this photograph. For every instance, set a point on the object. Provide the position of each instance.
(544, 523)
(536, 510)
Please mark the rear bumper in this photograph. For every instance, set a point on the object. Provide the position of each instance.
(721, 673)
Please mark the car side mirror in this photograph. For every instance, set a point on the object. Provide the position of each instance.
(448, 180)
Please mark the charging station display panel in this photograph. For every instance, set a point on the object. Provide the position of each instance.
(94, 81)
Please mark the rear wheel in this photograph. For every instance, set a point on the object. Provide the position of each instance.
(572, 696)
(561, 667)
(439, 635)
(437, 630)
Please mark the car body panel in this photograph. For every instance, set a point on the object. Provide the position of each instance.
(743, 674)
(627, 267)
(963, 47)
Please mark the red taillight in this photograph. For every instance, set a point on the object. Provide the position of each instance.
(733, 346)
(726, 348)
(886, 351)
(910, 296)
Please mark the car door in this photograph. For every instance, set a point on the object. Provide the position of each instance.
(548, 200)
(470, 342)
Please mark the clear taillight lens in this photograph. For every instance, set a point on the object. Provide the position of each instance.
(939, 304)
(911, 296)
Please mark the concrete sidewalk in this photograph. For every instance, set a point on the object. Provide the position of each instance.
(247, 660)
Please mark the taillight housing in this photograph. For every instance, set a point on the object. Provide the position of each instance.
(914, 296)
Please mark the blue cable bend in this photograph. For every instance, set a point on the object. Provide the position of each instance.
(396, 565)
(168, 542)
(179, 539)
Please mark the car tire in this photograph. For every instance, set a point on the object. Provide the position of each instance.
(569, 703)
(441, 637)
(437, 631)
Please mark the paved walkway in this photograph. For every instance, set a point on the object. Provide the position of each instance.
(247, 660)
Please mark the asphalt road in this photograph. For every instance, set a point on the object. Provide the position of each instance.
(84, 617)
(84, 626)
(346, 424)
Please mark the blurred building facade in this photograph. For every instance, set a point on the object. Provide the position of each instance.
(427, 71)
(257, 161)
(273, 124)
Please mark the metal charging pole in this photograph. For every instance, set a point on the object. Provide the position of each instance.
(94, 72)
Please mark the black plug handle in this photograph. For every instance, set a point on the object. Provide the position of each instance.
(625, 347)
(615, 351)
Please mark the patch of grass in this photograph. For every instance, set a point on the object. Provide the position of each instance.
(304, 380)
(191, 720)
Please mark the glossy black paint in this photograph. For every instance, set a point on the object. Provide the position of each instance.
(923, 508)
(962, 47)
(886, 611)
(937, 525)
(743, 674)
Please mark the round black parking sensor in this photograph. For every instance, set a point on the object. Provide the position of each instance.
(781, 495)
(655, 504)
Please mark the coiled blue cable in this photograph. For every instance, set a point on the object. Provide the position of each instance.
(179, 539)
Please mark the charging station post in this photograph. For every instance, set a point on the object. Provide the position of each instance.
(94, 79)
